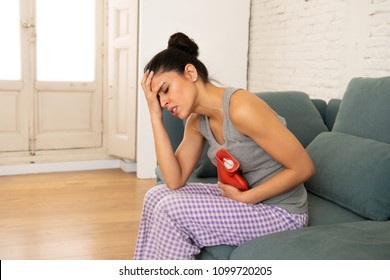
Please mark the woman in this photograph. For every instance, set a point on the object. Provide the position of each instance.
(180, 218)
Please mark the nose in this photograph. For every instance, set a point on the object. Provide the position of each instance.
(163, 100)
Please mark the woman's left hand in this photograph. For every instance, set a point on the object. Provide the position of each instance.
(232, 192)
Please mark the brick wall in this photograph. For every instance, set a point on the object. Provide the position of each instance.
(317, 46)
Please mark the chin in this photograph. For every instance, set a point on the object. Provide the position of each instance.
(183, 116)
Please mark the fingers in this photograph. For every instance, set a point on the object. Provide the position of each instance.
(146, 83)
(222, 188)
(152, 93)
(225, 188)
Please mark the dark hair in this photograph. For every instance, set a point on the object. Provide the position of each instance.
(181, 51)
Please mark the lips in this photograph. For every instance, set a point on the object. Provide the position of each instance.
(173, 110)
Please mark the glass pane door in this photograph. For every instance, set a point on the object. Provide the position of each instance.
(66, 40)
(51, 84)
(67, 92)
(10, 68)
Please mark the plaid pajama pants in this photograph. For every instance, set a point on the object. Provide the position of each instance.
(176, 224)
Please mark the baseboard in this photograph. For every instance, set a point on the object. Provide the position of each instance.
(33, 168)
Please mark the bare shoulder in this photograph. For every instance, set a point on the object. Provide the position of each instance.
(245, 104)
(251, 115)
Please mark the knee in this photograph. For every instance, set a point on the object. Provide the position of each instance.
(170, 205)
(155, 194)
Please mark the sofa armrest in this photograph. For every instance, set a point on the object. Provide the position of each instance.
(349, 241)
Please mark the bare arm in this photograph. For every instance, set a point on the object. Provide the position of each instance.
(253, 117)
(177, 167)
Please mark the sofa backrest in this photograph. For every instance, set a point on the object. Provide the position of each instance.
(365, 109)
(353, 160)
(305, 117)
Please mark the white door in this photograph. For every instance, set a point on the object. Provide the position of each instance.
(51, 74)
(122, 100)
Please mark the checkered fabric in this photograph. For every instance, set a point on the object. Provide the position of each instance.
(176, 224)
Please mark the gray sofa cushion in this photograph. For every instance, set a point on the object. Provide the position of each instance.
(174, 127)
(205, 168)
(365, 109)
(357, 241)
(219, 252)
(352, 172)
(331, 112)
(324, 212)
(302, 117)
(321, 212)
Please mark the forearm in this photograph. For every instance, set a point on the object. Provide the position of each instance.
(166, 158)
(281, 183)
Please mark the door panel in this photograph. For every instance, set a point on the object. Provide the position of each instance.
(67, 120)
(123, 30)
(9, 111)
(61, 111)
(13, 121)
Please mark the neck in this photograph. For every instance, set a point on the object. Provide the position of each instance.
(209, 101)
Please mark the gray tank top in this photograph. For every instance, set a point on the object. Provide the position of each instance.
(255, 164)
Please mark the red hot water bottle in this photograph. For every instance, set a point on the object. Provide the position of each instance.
(227, 167)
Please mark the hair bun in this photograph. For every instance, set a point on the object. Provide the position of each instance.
(183, 42)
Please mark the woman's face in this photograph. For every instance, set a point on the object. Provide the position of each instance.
(177, 93)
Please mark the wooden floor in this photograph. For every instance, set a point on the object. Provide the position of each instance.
(72, 215)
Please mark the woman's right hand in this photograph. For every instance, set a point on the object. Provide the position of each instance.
(151, 94)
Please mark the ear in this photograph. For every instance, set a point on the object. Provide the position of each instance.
(190, 72)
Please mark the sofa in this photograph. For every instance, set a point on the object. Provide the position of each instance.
(348, 197)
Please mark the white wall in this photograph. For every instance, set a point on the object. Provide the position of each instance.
(317, 46)
(219, 27)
